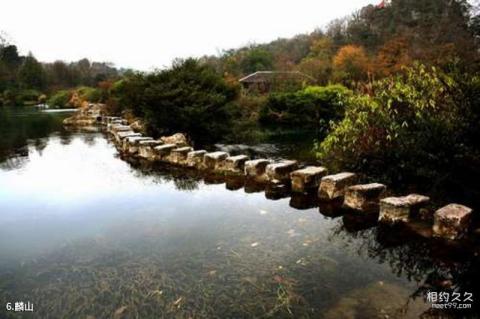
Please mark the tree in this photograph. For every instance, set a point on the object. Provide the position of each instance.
(318, 64)
(189, 97)
(351, 63)
(393, 56)
(31, 74)
(9, 63)
(256, 59)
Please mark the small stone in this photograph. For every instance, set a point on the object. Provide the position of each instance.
(307, 178)
(214, 160)
(333, 186)
(235, 164)
(130, 144)
(452, 221)
(120, 128)
(179, 155)
(280, 171)
(195, 158)
(163, 151)
(145, 149)
(400, 209)
(178, 139)
(364, 198)
(119, 136)
(255, 169)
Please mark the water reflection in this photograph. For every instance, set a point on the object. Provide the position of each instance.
(87, 234)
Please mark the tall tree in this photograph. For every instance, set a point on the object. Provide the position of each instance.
(351, 63)
(31, 74)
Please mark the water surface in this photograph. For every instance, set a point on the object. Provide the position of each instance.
(85, 234)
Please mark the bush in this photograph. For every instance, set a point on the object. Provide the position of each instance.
(20, 97)
(89, 94)
(189, 97)
(414, 126)
(60, 99)
(312, 107)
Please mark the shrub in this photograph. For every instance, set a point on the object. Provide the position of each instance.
(189, 97)
(60, 99)
(89, 94)
(312, 107)
(27, 97)
(414, 125)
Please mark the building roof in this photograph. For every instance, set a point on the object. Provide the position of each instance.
(268, 76)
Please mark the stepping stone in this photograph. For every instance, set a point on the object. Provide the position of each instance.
(179, 155)
(280, 171)
(333, 186)
(307, 178)
(399, 209)
(255, 169)
(235, 164)
(130, 144)
(121, 135)
(195, 158)
(214, 161)
(145, 149)
(452, 221)
(134, 143)
(364, 198)
(163, 151)
(120, 128)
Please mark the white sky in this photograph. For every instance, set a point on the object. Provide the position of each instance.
(144, 34)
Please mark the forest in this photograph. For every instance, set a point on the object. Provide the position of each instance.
(394, 90)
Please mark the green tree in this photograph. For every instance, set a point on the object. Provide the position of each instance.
(256, 59)
(31, 74)
(312, 107)
(189, 97)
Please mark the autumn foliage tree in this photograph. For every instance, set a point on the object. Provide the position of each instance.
(351, 63)
(393, 56)
(318, 64)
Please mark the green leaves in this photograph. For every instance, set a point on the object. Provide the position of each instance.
(410, 119)
(313, 106)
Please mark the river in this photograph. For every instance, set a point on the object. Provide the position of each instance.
(85, 234)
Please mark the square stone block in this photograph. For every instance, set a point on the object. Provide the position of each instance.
(178, 155)
(365, 197)
(145, 149)
(452, 221)
(281, 171)
(235, 164)
(214, 160)
(163, 151)
(399, 209)
(255, 169)
(333, 186)
(195, 158)
(307, 178)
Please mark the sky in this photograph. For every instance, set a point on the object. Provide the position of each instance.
(148, 34)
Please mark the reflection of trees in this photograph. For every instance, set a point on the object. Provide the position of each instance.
(14, 161)
(19, 125)
(435, 265)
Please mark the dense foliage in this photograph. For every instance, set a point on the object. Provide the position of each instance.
(189, 97)
(312, 107)
(60, 99)
(415, 124)
(375, 41)
(22, 75)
